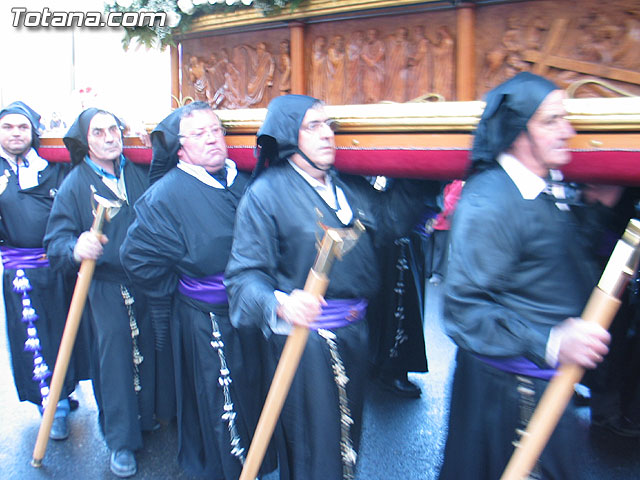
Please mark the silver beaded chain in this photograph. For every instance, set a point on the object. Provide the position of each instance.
(349, 455)
(133, 325)
(225, 381)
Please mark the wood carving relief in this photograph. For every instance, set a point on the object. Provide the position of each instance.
(232, 76)
(382, 63)
(595, 47)
(591, 47)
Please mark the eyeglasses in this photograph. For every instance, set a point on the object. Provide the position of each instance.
(317, 125)
(201, 135)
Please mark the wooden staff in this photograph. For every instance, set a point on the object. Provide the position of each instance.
(101, 212)
(601, 308)
(317, 282)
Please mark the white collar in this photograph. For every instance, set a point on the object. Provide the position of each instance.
(529, 184)
(36, 163)
(314, 182)
(201, 174)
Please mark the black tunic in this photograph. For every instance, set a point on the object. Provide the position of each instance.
(517, 267)
(273, 249)
(396, 313)
(123, 413)
(23, 220)
(185, 227)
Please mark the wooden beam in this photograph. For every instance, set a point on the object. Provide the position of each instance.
(175, 76)
(296, 30)
(465, 52)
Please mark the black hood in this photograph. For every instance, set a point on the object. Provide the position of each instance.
(76, 138)
(509, 106)
(277, 138)
(22, 108)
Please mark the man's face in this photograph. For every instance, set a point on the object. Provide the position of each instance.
(548, 134)
(15, 133)
(316, 139)
(202, 140)
(104, 138)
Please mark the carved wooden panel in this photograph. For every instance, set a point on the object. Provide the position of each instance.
(237, 70)
(592, 46)
(370, 60)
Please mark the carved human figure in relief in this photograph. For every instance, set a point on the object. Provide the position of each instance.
(262, 68)
(627, 52)
(284, 67)
(319, 68)
(443, 63)
(198, 79)
(336, 61)
(354, 68)
(397, 66)
(373, 54)
(505, 60)
(229, 95)
(215, 75)
(420, 73)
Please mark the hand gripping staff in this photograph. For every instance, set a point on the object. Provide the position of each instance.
(601, 307)
(103, 209)
(335, 243)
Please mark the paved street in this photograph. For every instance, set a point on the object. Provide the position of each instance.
(402, 439)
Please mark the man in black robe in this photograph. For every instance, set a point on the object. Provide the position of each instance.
(28, 185)
(521, 269)
(176, 252)
(278, 223)
(123, 370)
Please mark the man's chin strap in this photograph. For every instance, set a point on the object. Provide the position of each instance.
(330, 171)
(310, 162)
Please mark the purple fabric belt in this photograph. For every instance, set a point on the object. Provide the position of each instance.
(15, 258)
(206, 289)
(518, 366)
(340, 312)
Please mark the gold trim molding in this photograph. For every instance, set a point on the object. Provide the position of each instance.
(310, 9)
(585, 114)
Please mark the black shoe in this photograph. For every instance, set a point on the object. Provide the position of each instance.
(73, 404)
(621, 426)
(123, 463)
(399, 386)
(59, 429)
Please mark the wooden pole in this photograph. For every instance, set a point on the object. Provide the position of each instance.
(601, 308)
(66, 344)
(316, 284)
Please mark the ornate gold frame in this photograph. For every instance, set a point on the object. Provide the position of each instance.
(590, 114)
(310, 9)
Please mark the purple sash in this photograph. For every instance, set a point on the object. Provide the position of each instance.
(206, 289)
(518, 366)
(15, 258)
(340, 312)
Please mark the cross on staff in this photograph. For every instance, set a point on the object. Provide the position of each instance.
(544, 59)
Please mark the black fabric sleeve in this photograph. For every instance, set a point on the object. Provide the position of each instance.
(250, 276)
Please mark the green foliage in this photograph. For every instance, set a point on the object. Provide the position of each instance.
(181, 13)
